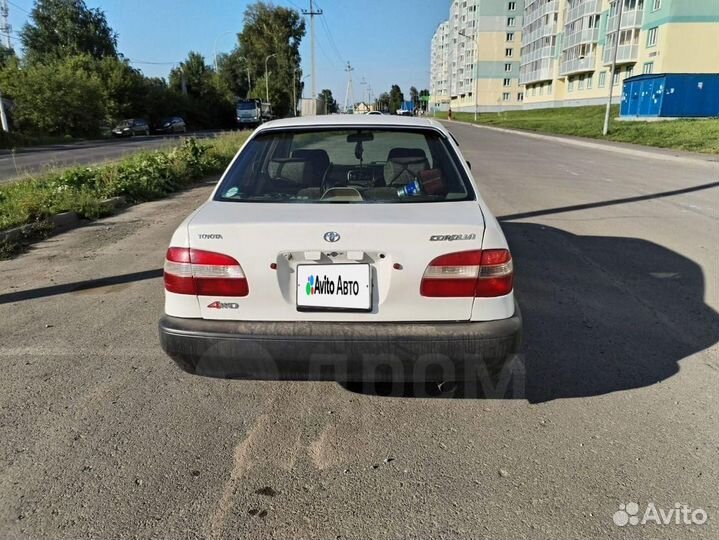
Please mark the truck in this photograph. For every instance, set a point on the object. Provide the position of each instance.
(252, 112)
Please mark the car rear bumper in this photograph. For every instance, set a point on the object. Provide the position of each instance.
(340, 351)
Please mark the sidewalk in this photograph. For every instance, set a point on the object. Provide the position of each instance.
(623, 148)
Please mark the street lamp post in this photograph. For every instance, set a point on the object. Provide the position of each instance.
(618, 29)
(267, 78)
(214, 47)
(474, 69)
(249, 81)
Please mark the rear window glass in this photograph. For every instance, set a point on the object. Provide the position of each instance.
(362, 165)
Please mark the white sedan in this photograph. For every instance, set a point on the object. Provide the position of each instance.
(345, 248)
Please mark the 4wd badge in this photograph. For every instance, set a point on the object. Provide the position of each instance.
(224, 305)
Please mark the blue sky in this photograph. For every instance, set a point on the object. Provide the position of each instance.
(387, 41)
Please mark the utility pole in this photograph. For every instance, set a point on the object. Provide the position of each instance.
(294, 92)
(5, 28)
(474, 71)
(363, 84)
(349, 94)
(3, 118)
(312, 13)
(267, 78)
(614, 67)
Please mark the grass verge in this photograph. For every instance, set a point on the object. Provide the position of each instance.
(141, 177)
(700, 135)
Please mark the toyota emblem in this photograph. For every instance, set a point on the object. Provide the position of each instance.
(332, 236)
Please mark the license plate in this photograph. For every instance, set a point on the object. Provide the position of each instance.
(334, 287)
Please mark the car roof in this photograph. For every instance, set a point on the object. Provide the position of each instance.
(353, 120)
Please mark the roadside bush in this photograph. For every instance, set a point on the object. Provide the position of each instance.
(141, 177)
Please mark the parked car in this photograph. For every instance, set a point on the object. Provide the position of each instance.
(172, 124)
(131, 127)
(345, 248)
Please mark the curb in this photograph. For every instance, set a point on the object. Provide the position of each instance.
(59, 222)
(649, 152)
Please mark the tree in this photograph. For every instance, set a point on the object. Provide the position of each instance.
(197, 75)
(329, 100)
(62, 28)
(268, 30)
(6, 55)
(207, 104)
(56, 98)
(396, 97)
(383, 101)
(424, 93)
(414, 96)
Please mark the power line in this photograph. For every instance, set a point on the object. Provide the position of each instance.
(331, 40)
(153, 63)
(19, 7)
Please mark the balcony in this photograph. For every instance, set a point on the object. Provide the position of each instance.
(590, 7)
(588, 35)
(539, 33)
(537, 54)
(544, 72)
(630, 19)
(577, 65)
(541, 11)
(625, 54)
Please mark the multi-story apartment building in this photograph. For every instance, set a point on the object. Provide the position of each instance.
(439, 75)
(569, 45)
(555, 53)
(475, 56)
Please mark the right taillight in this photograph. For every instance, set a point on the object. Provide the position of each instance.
(477, 273)
(203, 273)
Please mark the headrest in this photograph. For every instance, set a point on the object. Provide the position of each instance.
(290, 169)
(406, 153)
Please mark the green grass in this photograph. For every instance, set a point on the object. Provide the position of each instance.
(689, 135)
(141, 177)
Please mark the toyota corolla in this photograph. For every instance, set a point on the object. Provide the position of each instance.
(344, 248)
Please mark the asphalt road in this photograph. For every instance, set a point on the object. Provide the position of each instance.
(30, 161)
(101, 436)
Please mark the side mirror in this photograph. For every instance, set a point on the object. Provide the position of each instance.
(469, 165)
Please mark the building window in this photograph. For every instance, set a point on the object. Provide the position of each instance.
(630, 70)
(541, 89)
(508, 52)
(507, 82)
(652, 37)
(512, 6)
(507, 68)
(602, 79)
(657, 5)
(510, 36)
(510, 21)
(648, 68)
(589, 81)
(549, 89)
(520, 96)
(615, 79)
(506, 96)
(580, 85)
(570, 86)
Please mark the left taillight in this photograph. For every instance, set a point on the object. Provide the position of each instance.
(477, 273)
(203, 273)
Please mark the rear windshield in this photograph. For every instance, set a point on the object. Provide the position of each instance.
(363, 165)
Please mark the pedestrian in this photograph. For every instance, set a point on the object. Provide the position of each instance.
(449, 113)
